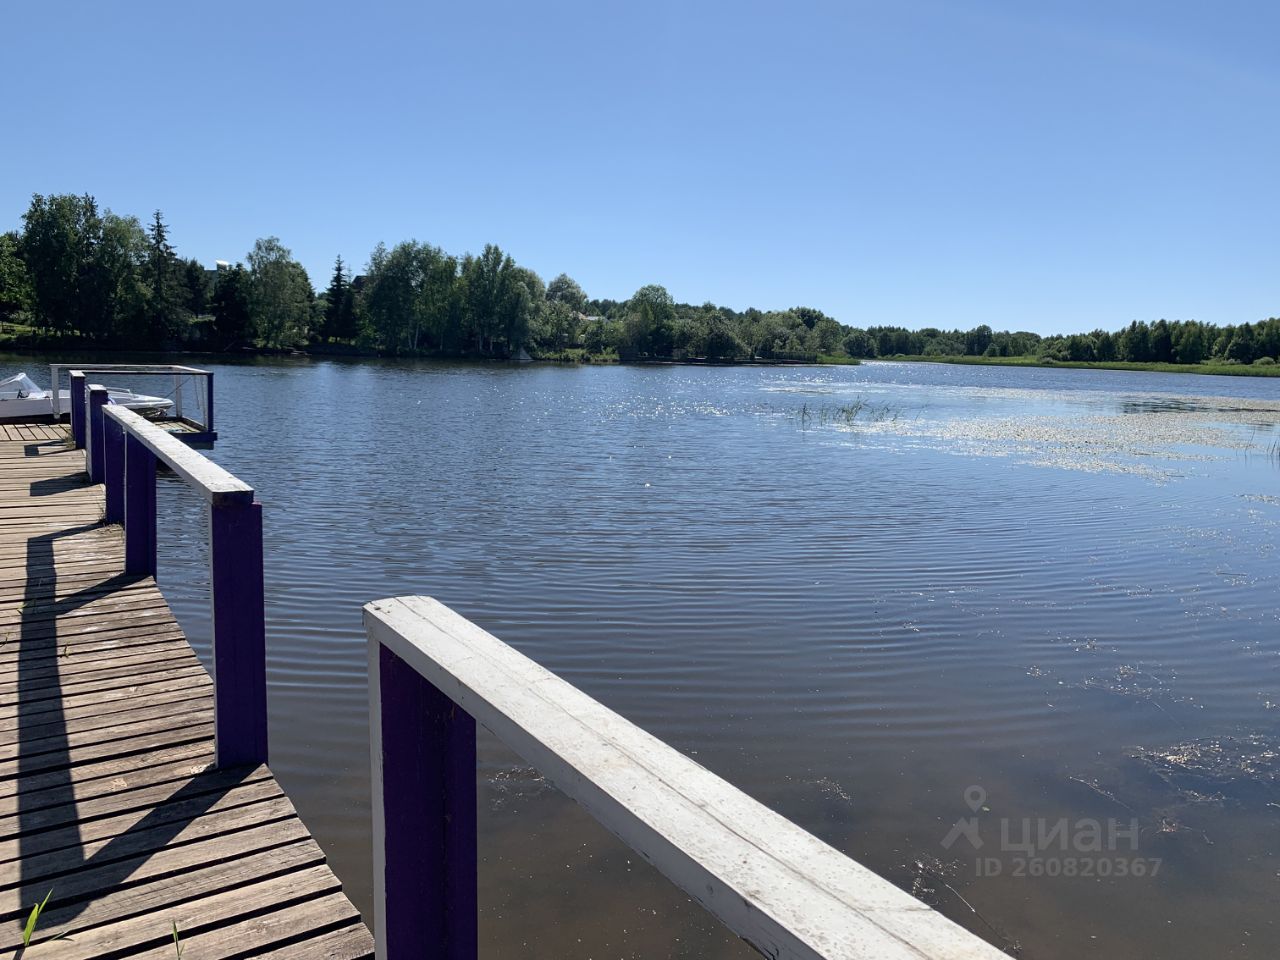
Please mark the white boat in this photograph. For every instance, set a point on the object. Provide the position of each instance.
(21, 399)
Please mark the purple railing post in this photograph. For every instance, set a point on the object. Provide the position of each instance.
(424, 797)
(208, 426)
(93, 433)
(78, 401)
(113, 468)
(139, 508)
(239, 633)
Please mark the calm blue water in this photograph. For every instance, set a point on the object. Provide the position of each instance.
(853, 592)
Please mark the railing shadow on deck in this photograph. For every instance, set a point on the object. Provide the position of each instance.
(52, 486)
(49, 833)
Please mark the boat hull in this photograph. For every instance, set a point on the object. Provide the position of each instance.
(40, 409)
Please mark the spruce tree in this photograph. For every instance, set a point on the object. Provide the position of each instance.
(164, 304)
(336, 301)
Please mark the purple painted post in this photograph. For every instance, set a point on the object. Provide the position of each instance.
(239, 633)
(208, 416)
(93, 431)
(78, 401)
(427, 892)
(139, 508)
(113, 468)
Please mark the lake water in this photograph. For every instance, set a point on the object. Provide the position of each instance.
(884, 600)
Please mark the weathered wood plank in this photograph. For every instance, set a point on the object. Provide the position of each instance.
(15, 900)
(111, 808)
(190, 886)
(188, 829)
(190, 690)
(165, 736)
(146, 828)
(89, 692)
(346, 943)
(297, 922)
(65, 743)
(86, 647)
(199, 919)
(53, 685)
(161, 765)
(105, 702)
(85, 626)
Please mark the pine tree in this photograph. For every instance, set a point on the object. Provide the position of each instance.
(337, 299)
(164, 305)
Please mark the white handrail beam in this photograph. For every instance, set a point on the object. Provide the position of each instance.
(215, 484)
(768, 880)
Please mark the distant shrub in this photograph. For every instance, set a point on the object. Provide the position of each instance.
(1265, 362)
(1048, 361)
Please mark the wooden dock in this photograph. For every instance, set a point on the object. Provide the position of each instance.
(109, 799)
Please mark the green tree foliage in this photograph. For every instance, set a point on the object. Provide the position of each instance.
(59, 245)
(412, 297)
(73, 271)
(648, 325)
(15, 284)
(1189, 344)
(195, 288)
(809, 316)
(714, 338)
(117, 302)
(232, 323)
(280, 295)
(339, 316)
(858, 343)
(564, 290)
(100, 276)
(1104, 345)
(499, 299)
(1244, 345)
(165, 308)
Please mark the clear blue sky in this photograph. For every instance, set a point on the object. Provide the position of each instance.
(1048, 166)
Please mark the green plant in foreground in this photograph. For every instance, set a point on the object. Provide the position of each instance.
(177, 943)
(34, 920)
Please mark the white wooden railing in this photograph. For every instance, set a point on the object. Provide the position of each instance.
(433, 675)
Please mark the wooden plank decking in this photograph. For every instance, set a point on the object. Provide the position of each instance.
(107, 792)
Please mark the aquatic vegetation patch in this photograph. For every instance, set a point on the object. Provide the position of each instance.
(1215, 764)
(1131, 681)
(851, 414)
(1148, 439)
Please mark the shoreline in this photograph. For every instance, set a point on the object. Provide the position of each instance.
(1201, 369)
(345, 352)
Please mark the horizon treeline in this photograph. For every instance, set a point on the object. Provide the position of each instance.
(73, 273)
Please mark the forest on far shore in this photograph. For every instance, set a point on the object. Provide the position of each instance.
(75, 275)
